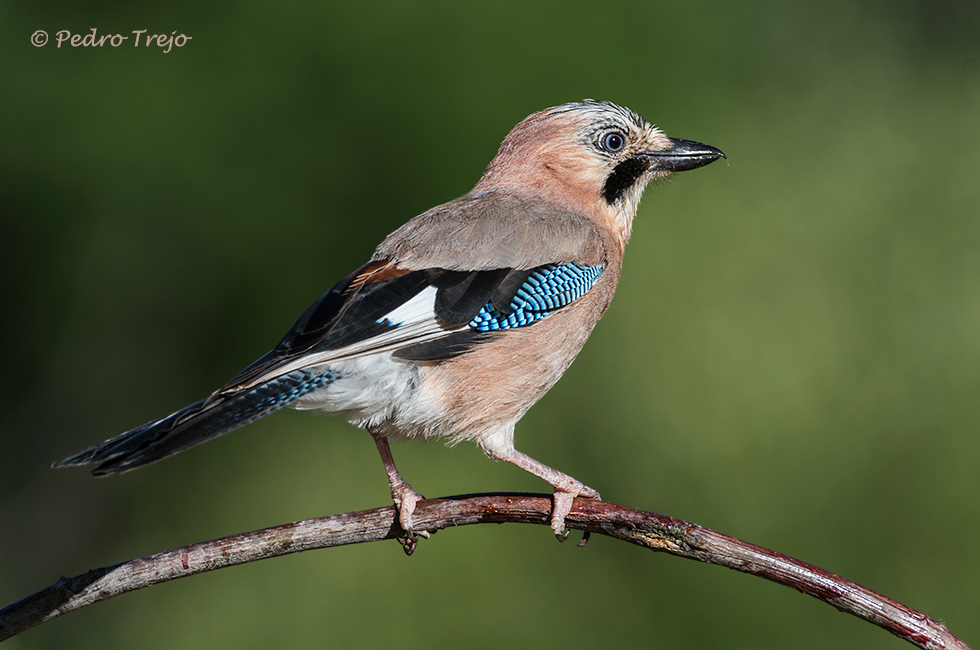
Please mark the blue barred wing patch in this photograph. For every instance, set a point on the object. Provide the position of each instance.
(549, 287)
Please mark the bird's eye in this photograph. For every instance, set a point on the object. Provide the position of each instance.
(613, 142)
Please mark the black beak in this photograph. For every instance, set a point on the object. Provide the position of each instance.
(683, 156)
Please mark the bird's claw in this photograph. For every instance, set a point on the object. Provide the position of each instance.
(409, 542)
(406, 499)
(563, 500)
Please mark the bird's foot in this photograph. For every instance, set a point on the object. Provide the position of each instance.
(402, 494)
(406, 499)
(565, 494)
(566, 487)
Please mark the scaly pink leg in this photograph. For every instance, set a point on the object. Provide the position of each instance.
(566, 488)
(402, 493)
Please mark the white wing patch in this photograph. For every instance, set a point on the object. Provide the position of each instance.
(417, 310)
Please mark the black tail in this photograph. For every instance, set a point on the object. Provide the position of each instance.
(197, 423)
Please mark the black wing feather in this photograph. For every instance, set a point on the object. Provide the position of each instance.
(344, 315)
(448, 347)
(504, 292)
(461, 296)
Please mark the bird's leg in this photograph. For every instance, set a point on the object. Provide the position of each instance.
(402, 493)
(566, 487)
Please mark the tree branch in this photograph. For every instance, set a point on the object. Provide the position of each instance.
(652, 531)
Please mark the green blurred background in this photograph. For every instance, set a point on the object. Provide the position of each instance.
(793, 356)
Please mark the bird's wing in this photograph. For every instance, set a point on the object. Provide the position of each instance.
(424, 315)
(452, 277)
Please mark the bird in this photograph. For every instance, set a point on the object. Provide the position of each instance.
(463, 317)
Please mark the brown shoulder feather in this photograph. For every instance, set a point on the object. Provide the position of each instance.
(493, 230)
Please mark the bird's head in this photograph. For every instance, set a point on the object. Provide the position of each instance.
(592, 157)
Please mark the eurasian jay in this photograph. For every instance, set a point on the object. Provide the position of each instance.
(466, 315)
